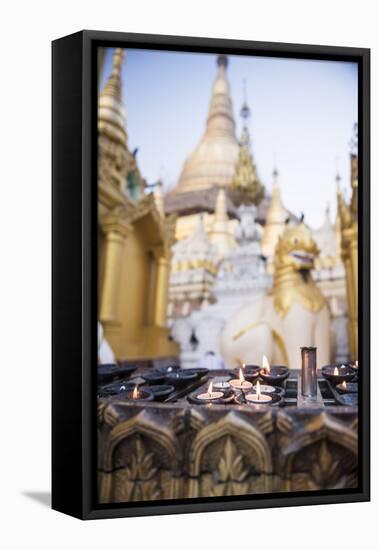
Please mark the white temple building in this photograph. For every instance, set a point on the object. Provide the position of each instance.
(241, 279)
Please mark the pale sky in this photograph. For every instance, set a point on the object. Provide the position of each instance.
(302, 115)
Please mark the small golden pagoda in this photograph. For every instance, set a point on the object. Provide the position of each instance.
(134, 240)
(348, 214)
(246, 187)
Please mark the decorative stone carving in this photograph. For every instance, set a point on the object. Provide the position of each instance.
(321, 455)
(230, 435)
(143, 456)
(182, 451)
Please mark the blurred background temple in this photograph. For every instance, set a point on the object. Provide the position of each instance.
(175, 265)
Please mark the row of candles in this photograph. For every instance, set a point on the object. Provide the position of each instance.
(257, 394)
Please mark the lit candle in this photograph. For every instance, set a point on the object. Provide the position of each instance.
(258, 397)
(275, 375)
(335, 372)
(344, 385)
(240, 383)
(265, 365)
(210, 394)
(135, 393)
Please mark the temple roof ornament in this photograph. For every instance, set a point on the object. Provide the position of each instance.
(326, 238)
(275, 219)
(246, 187)
(213, 160)
(220, 234)
(195, 252)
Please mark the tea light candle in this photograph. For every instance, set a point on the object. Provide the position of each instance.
(240, 383)
(267, 389)
(342, 387)
(258, 397)
(221, 385)
(210, 394)
(336, 374)
(137, 394)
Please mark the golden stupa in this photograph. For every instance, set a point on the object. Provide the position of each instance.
(134, 239)
(214, 159)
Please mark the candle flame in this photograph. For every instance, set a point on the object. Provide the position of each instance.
(265, 364)
(344, 386)
(210, 388)
(243, 365)
(135, 392)
(242, 378)
(356, 364)
(258, 390)
(335, 372)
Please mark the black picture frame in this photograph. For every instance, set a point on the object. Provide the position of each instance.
(74, 294)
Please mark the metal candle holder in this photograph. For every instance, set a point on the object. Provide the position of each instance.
(309, 371)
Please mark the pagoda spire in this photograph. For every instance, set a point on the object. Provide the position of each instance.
(113, 157)
(213, 160)
(275, 218)
(220, 121)
(111, 110)
(220, 234)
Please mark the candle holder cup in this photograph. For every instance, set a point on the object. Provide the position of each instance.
(160, 392)
(345, 373)
(199, 371)
(180, 378)
(250, 372)
(154, 377)
(276, 376)
(112, 371)
(227, 397)
(276, 400)
(142, 395)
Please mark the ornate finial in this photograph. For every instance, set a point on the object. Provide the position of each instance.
(245, 110)
(275, 172)
(338, 180)
(222, 60)
(245, 186)
(118, 60)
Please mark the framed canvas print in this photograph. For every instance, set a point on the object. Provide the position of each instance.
(211, 291)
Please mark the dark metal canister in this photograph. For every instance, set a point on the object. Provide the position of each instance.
(308, 372)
